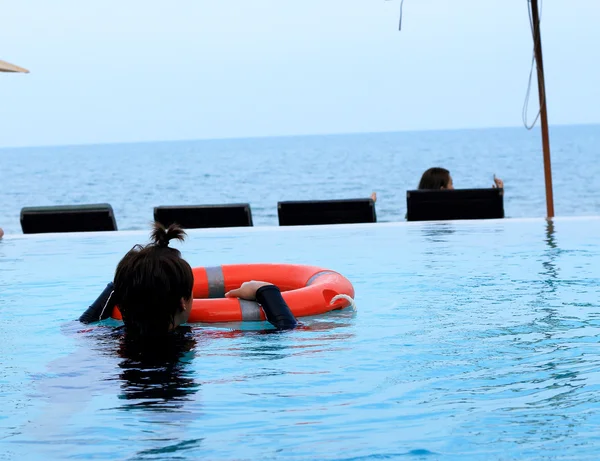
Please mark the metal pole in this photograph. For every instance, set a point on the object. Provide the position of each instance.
(537, 42)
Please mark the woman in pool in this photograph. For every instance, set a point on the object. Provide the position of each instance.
(153, 289)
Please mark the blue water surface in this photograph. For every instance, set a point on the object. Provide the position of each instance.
(134, 178)
(471, 340)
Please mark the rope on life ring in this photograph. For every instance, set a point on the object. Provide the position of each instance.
(347, 298)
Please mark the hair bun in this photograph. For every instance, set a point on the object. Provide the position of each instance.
(161, 236)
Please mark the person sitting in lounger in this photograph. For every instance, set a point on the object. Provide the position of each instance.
(440, 178)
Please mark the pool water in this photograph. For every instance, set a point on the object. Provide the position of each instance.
(471, 340)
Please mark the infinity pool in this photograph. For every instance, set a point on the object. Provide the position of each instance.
(471, 340)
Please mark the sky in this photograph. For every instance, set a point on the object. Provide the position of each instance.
(126, 71)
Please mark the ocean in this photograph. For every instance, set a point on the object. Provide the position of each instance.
(134, 178)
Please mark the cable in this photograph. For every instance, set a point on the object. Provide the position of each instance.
(401, 7)
(536, 40)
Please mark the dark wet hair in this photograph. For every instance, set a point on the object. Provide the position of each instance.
(150, 282)
(435, 178)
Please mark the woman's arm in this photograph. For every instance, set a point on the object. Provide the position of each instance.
(269, 297)
(100, 309)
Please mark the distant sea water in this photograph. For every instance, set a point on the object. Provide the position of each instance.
(134, 178)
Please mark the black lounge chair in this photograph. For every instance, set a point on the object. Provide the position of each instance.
(437, 205)
(70, 218)
(205, 216)
(311, 212)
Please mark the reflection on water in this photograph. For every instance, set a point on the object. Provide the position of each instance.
(551, 253)
(550, 237)
(157, 375)
(436, 236)
(261, 340)
(550, 281)
(551, 373)
(263, 345)
(437, 232)
(160, 377)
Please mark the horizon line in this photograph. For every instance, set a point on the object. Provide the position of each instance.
(283, 136)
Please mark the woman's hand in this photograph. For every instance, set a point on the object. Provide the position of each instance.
(247, 290)
(498, 183)
(374, 196)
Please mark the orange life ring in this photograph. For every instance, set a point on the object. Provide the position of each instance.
(307, 290)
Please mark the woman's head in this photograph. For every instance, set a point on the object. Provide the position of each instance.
(153, 284)
(436, 178)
